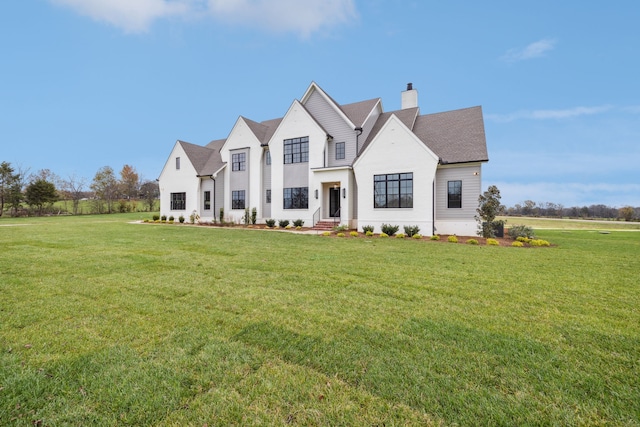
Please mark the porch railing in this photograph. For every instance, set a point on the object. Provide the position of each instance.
(316, 217)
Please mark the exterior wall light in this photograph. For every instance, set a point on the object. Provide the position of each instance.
(344, 193)
(316, 194)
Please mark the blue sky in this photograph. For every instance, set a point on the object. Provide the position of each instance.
(91, 83)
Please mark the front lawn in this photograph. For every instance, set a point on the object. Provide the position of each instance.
(106, 322)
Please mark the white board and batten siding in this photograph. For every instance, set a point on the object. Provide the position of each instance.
(458, 220)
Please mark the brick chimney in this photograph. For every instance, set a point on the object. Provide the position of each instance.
(409, 97)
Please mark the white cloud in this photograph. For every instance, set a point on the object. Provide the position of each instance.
(549, 114)
(130, 15)
(531, 51)
(300, 17)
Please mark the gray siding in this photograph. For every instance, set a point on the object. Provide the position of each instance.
(239, 180)
(266, 185)
(217, 198)
(207, 185)
(335, 125)
(470, 192)
(366, 128)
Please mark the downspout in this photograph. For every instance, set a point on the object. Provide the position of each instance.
(214, 197)
(359, 130)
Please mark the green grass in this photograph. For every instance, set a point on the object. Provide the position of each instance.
(570, 224)
(104, 322)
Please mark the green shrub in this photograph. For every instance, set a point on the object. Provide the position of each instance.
(254, 216)
(516, 231)
(366, 228)
(492, 242)
(410, 230)
(435, 237)
(389, 229)
(472, 242)
(452, 239)
(341, 228)
(181, 219)
(270, 222)
(156, 217)
(171, 218)
(539, 242)
(283, 223)
(288, 227)
(298, 223)
(400, 236)
(384, 235)
(354, 234)
(341, 234)
(221, 215)
(145, 220)
(247, 216)
(368, 233)
(417, 236)
(298, 227)
(163, 218)
(517, 244)
(326, 233)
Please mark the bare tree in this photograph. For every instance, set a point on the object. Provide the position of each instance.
(105, 187)
(73, 188)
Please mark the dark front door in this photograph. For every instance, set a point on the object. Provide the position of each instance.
(334, 202)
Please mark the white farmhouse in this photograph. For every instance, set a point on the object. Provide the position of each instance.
(325, 162)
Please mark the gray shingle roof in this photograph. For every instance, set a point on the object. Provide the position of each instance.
(205, 160)
(358, 112)
(455, 136)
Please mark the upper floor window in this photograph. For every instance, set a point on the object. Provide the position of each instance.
(393, 190)
(238, 161)
(296, 150)
(268, 157)
(177, 163)
(339, 150)
(454, 194)
(268, 196)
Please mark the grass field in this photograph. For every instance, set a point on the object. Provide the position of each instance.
(103, 322)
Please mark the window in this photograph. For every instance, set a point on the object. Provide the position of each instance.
(178, 201)
(237, 199)
(296, 198)
(296, 150)
(339, 150)
(177, 163)
(268, 196)
(393, 190)
(268, 157)
(207, 200)
(238, 161)
(454, 191)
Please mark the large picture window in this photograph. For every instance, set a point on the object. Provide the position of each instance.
(178, 201)
(454, 191)
(296, 150)
(237, 199)
(393, 190)
(238, 161)
(296, 198)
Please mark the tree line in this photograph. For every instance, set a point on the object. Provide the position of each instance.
(23, 193)
(555, 210)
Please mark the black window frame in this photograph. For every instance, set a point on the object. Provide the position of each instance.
(340, 150)
(393, 191)
(454, 194)
(238, 162)
(238, 200)
(178, 201)
(295, 198)
(207, 200)
(296, 150)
